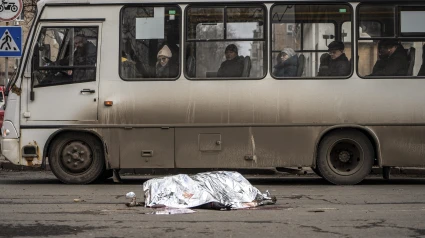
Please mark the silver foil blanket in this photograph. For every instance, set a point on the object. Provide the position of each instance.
(183, 191)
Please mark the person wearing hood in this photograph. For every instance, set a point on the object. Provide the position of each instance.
(392, 59)
(233, 66)
(335, 63)
(287, 64)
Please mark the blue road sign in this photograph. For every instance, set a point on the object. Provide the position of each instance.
(10, 41)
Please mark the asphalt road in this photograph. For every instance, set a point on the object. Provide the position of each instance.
(35, 204)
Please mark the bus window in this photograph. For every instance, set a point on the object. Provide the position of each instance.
(311, 41)
(384, 52)
(150, 43)
(65, 55)
(243, 22)
(225, 47)
(376, 20)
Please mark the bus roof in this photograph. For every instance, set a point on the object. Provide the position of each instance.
(114, 2)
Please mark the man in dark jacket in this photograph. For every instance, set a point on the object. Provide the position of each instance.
(336, 62)
(233, 66)
(392, 59)
(85, 54)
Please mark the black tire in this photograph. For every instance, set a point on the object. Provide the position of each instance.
(1, 8)
(316, 171)
(14, 8)
(76, 158)
(345, 157)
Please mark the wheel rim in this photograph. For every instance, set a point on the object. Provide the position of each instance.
(345, 157)
(76, 157)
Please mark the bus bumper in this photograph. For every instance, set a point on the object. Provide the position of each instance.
(10, 150)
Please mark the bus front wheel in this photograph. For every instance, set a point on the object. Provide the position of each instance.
(345, 157)
(76, 158)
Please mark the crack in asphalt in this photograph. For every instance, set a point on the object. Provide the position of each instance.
(382, 223)
(43, 230)
(320, 230)
(310, 198)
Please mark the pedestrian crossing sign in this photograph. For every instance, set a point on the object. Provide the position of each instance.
(10, 41)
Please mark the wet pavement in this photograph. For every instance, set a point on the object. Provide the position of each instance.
(36, 204)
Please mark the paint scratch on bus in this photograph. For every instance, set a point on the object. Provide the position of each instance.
(278, 105)
(228, 105)
(190, 112)
(251, 135)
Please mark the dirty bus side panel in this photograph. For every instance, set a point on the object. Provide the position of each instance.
(245, 147)
(146, 147)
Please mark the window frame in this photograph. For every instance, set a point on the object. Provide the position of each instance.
(398, 11)
(397, 36)
(120, 41)
(318, 51)
(224, 6)
(58, 68)
(395, 30)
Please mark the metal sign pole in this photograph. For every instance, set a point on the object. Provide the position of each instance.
(6, 70)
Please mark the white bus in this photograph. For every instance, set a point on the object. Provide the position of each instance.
(106, 85)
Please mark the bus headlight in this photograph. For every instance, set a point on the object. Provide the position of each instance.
(6, 132)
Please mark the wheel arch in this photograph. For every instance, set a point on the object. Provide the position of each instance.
(61, 131)
(370, 134)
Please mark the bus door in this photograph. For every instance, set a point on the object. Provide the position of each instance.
(65, 73)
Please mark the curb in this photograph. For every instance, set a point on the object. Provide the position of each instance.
(5, 165)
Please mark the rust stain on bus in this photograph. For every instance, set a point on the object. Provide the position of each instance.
(34, 161)
(16, 90)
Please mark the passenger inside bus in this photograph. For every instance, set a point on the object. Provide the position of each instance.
(287, 63)
(392, 59)
(234, 64)
(165, 67)
(335, 63)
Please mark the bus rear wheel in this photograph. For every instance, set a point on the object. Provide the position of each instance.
(345, 157)
(76, 158)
